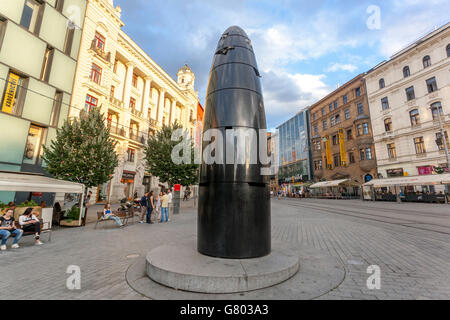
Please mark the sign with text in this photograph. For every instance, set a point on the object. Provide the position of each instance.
(10, 94)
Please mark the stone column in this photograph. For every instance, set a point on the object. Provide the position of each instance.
(173, 109)
(160, 113)
(146, 98)
(127, 96)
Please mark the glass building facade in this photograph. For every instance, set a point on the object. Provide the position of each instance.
(294, 148)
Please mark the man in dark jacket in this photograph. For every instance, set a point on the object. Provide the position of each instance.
(144, 205)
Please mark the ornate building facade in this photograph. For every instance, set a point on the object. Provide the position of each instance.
(341, 135)
(137, 95)
(409, 99)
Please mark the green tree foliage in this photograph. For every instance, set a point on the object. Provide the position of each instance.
(83, 151)
(159, 162)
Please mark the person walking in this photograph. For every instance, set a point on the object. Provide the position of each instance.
(170, 203)
(144, 203)
(150, 208)
(8, 228)
(164, 207)
(30, 223)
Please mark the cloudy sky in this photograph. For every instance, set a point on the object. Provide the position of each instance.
(304, 48)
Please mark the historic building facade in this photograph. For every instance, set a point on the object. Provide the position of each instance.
(137, 95)
(39, 45)
(341, 135)
(294, 150)
(406, 96)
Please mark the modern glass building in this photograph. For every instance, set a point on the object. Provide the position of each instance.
(294, 149)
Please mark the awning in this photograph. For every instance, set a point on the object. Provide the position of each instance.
(26, 182)
(326, 184)
(433, 179)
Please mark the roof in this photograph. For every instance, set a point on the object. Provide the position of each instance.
(334, 183)
(411, 181)
(185, 68)
(27, 182)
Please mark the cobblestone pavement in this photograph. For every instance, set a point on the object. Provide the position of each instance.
(410, 243)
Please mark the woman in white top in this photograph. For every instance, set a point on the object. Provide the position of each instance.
(158, 206)
(30, 223)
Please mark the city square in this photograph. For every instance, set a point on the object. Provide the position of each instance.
(273, 152)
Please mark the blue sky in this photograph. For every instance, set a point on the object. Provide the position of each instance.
(304, 49)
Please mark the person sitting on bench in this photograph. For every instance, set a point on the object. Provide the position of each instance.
(30, 223)
(107, 214)
(8, 228)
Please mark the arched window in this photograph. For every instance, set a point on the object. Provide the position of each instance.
(388, 125)
(448, 50)
(406, 72)
(426, 61)
(382, 83)
(414, 116)
(436, 108)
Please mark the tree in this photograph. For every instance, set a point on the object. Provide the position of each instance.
(159, 161)
(83, 151)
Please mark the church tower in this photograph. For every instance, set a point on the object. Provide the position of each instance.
(186, 78)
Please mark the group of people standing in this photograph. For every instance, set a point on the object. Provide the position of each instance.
(157, 204)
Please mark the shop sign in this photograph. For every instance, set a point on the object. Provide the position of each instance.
(10, 93)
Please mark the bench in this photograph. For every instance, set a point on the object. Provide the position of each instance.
(31, 233)
(100, 218)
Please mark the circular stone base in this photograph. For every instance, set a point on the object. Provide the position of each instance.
(181, 267)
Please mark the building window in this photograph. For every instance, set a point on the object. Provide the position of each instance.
(358, 91)
(392, 152)
(448, 50)
(131, 153)
(33, 146)
(14, 95)
(59, 5)
(351, 157)
(335, 105)
(90, 103)
(316, 129)
(46, 66)
(323, 111)
(318, 165)
(410, 95)
(426, 61)
(432, 85)
(96, 73)
(317, 145)
(314, 115)
(440, 140)
(30, 15)
(99, 41)
(388, 125)
(414, 116)
(56, 109)
(360, 108)
(332, 121)
(436, 108)
(69, 40)
(331, 107)
(365, 153)
(345, 98)
(324, 124)
(381, 83)
(359, 131)
(406, 72)
(420, 145)
(365, 128)
(113, 91)
(135, 80)
(337, 119)
(347, 114)
(349, 134)
(337, 160)
(385, 103)
(132, 103)
(335, 140)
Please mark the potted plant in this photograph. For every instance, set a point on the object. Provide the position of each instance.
(72, 218)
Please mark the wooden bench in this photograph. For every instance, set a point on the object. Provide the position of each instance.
(31, 233)
(100, 218)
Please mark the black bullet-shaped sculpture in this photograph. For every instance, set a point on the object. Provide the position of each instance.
(234, 199)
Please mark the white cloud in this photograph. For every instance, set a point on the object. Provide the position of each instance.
(341, 67)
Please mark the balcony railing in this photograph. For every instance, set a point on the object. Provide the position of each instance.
(100, 52)
(137, 113)
(116, 130)
(152, 122)
(116, 102)
(137, 137)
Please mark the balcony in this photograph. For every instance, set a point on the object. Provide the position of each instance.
(153, 123)
(137, 137)
(116, 103)
(137, 113)
(364, 141)
(117, 131)
(106, 56)
(367, 165)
